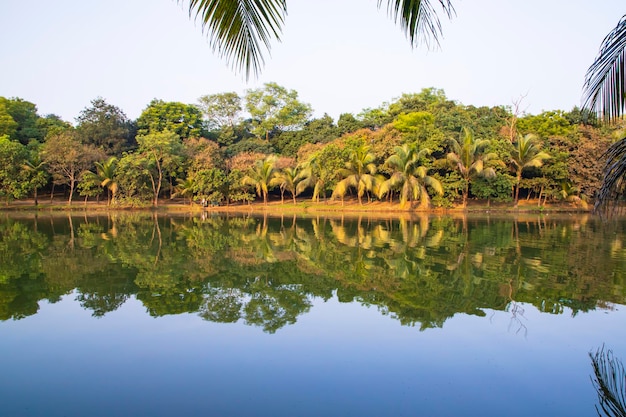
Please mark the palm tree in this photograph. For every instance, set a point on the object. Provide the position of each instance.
(240, 30)
(291, 179)
(410, 175)
(526, 154)
(359, 173)
(605, 94)
(185, 188)
(468, 158)
(106, 174)
(262, 176)
(37, 174)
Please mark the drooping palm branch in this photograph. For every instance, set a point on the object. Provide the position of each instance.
(609, 380)
(239, 30)
(613, 184)
(605, 82)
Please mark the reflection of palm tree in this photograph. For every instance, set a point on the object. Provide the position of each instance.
(467, 157)
(262, 176)
(410, 175)
(526, 154)
(359, 173)
(609, 382)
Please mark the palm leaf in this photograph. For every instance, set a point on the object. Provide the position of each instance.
(418, 19)
(239, 29)
(614, 173)
(605, 82)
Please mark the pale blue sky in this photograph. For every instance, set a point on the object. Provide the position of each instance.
(340, 55)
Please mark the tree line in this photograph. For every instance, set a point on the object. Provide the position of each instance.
(420, 150)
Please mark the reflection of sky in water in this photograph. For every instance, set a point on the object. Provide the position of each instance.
(338, 360)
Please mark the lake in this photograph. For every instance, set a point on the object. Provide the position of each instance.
(142, 315)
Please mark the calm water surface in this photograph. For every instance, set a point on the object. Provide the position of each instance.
(139, 315)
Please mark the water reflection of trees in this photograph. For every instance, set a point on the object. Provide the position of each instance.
(266, 271)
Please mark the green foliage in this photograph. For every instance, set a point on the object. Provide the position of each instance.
(347, 123)
(410, 176)
(547, 124)
(185, 120)
(67, 157)
(162, 155)
(275, 109)
(13, 178)
(262, 176)
(210, 184)
(106, 127)
(496, 188)
(254, 145)
(221, 110)
(24, 115)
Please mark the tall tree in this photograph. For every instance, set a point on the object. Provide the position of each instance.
(67, 158)
(275, 109)
(24, 114)
(182, 119)
(160, 150)
(106, 127)
(240, 30)
(221, 109)
(13, 156)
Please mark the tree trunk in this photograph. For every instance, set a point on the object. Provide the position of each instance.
(72, 183)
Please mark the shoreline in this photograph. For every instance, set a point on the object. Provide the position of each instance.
(302, 206)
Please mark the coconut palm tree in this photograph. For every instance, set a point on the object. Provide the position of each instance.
(240, 30)
(468, 158)
(106, 174)
(359, 174)
(185, 188)
(37, 175)
(291, 179)
(526, 153)
(262, 176)
(410, 176)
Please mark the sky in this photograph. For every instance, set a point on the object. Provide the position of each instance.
(341, 56)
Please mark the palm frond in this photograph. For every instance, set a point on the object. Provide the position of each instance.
(238, 30)
(612, 187)
(605, 82)
(610, 383)
(418, 19)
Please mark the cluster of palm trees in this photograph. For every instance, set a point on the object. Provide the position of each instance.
(408, 171)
